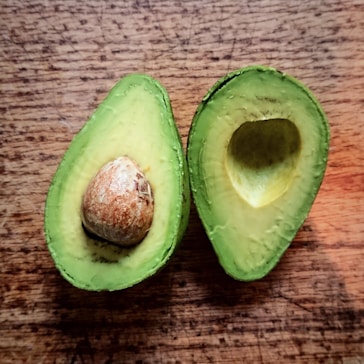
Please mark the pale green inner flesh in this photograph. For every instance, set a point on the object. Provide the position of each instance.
(261, 159)
(131, 123)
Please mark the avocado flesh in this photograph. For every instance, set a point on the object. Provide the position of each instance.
(135, 120)
(257, 153)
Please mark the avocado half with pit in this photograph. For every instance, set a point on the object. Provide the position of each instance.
(131, 143)
(257, 152)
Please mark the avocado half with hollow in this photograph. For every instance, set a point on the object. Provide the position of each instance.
(257, 152)
(131, 143)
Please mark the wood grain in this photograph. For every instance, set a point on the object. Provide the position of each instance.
(58, 59)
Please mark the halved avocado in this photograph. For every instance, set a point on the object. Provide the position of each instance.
(135, 120)
(257, 153)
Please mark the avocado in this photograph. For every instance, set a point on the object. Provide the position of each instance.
(133, 127)
(257, 152)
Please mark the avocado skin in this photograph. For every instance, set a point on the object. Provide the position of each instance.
(202, 199)
(181, 211)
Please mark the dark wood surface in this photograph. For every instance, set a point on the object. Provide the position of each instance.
(58, 59)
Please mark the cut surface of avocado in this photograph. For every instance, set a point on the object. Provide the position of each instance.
(134, 120)
(257, 152)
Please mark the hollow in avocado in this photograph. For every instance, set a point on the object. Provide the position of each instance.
(257, 152)
(118, 203)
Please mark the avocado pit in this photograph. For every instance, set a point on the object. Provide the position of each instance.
(118, 204)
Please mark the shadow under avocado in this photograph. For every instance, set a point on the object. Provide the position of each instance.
(117, 324)
(304, 297)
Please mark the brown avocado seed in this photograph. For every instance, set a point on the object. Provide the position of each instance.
(118, 204)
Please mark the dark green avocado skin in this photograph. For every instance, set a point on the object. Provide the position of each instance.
(291, 93)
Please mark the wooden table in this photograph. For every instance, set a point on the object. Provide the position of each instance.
(58, 60)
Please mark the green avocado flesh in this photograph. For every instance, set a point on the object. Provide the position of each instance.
(135, 120)
(257, 153)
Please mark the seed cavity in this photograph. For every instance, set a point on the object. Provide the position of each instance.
(261, 159)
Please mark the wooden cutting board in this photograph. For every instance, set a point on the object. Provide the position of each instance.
(58, 60)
